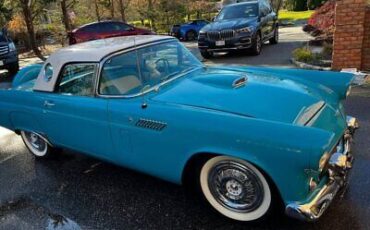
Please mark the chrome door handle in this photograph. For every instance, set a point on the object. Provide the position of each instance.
(48, 104)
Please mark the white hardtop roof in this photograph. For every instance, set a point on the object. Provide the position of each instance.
(92, 51)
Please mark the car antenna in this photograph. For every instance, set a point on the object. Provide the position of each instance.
(144, 105)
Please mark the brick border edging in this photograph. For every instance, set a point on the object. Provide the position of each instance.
(309, 66)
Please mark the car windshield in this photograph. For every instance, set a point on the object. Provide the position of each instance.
(136, 71)
(238, 11)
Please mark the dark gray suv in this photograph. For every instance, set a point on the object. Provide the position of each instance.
(8, 54)
(240, 26)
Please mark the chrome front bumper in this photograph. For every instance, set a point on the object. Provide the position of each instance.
(339, 166)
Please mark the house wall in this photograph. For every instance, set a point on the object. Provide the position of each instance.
(351, 36)
(366, 42)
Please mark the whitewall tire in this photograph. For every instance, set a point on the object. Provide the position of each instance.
(235, 188)
(36, 144)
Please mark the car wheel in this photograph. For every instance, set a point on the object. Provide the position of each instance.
(37, 145)
(206, 54)
(191, 35)
(235, 188)
(13, 69)
(257, 44)
(274, 40)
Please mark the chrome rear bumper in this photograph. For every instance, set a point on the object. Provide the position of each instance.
(340, 164)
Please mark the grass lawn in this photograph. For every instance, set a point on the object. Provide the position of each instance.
(295, 15)
(284, 15)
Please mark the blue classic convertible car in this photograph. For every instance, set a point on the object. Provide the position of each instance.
(246, 137)
(188, 31)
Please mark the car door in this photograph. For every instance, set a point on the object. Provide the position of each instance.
(73, 117)
(119, 78)
(263, 17)
(271, 19)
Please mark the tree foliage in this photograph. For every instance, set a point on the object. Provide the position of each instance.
(55, 18)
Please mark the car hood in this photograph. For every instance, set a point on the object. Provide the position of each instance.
(230, 24)
(262, 96)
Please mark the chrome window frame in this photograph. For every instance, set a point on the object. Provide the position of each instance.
(44, 71)
(60, 76)
(151, 89)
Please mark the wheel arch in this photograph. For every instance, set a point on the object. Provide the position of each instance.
(193, 166)
(191, 30)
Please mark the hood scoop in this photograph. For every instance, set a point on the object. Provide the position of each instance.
(230, 81)
(240, 82)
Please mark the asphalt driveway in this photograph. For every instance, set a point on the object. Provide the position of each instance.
(74, 191)
(272, 55)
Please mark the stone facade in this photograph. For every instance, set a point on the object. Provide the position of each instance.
(352, 35)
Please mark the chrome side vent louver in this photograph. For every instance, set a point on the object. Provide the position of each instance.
(150, 124)
(240, 82)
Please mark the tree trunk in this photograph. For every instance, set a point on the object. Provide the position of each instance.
(112, 9)
(97, 10)
(122, 10)
(276, 5)
(151, 15)
(27, 14)
(65, 16)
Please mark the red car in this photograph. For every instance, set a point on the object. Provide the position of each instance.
(105, 29)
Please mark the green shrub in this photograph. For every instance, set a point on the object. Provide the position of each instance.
(303, 55)
(296, 5)
(327, 50)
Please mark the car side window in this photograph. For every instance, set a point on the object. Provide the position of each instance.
(90, 28)
(77, 79)
(120, 75)
(114, 27)
(263, 9)
(123, 26)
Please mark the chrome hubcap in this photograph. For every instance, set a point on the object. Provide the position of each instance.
(235, 187)
(36, 141)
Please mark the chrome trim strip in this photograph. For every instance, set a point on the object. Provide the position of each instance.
(232, 48)
(239, 82)
(340, 164)
(224, 35)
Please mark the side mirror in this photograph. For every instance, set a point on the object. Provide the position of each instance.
(213, 19)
